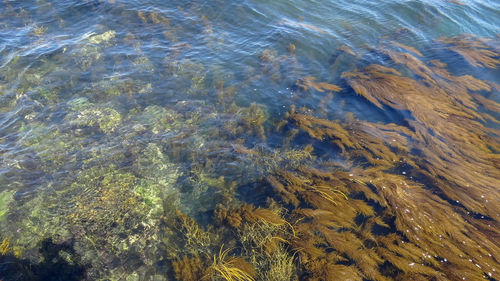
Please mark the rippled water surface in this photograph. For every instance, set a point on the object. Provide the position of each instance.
(249, 140)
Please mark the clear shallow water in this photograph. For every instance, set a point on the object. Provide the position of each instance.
(114, 115)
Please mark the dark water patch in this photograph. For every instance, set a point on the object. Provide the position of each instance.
(59, 262)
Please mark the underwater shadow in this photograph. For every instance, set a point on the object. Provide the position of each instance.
(53, 268)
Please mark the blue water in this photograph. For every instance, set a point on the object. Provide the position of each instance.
(90, 89)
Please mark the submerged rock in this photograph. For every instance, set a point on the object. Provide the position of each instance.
(159, 119)
(91, 49)
(106, 119)
(103, 37)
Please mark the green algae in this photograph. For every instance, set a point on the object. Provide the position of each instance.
(53, 147)
(5, 199)
(87, 55)
(159, 174)
(100, 200)
(102, 38)
(78, 104)
(105, 119)
(159, 119)
(90, 51)
(143, 65)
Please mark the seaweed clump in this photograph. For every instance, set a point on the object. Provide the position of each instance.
(406, 201)
(203, 258)
(444, 105)
(263, 235)
(474, 49)
(230, 269)
(309, 82)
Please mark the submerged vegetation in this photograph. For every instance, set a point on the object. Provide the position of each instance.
(170, 173)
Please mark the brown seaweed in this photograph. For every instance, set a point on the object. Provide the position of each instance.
(230, 268)
(428, 238)
(308, 82)
(473, 49)
(188, 269)
(408, 48)
(444, 104)
(431, 238)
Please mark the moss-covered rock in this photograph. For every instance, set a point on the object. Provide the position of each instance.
(91, 49)
(159, 119)
(5, 199)
(106, 119)
(78, 103)
(103, 38)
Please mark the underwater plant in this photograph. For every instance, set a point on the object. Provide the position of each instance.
(308, 82)
(138, 165)
(229, 268)
(444, 104)
(5, 198)
(106, 119)
(4, 247)
(416, 237)
(478, 51)
(188, 269)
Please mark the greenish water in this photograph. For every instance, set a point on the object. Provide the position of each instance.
(134, 133)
